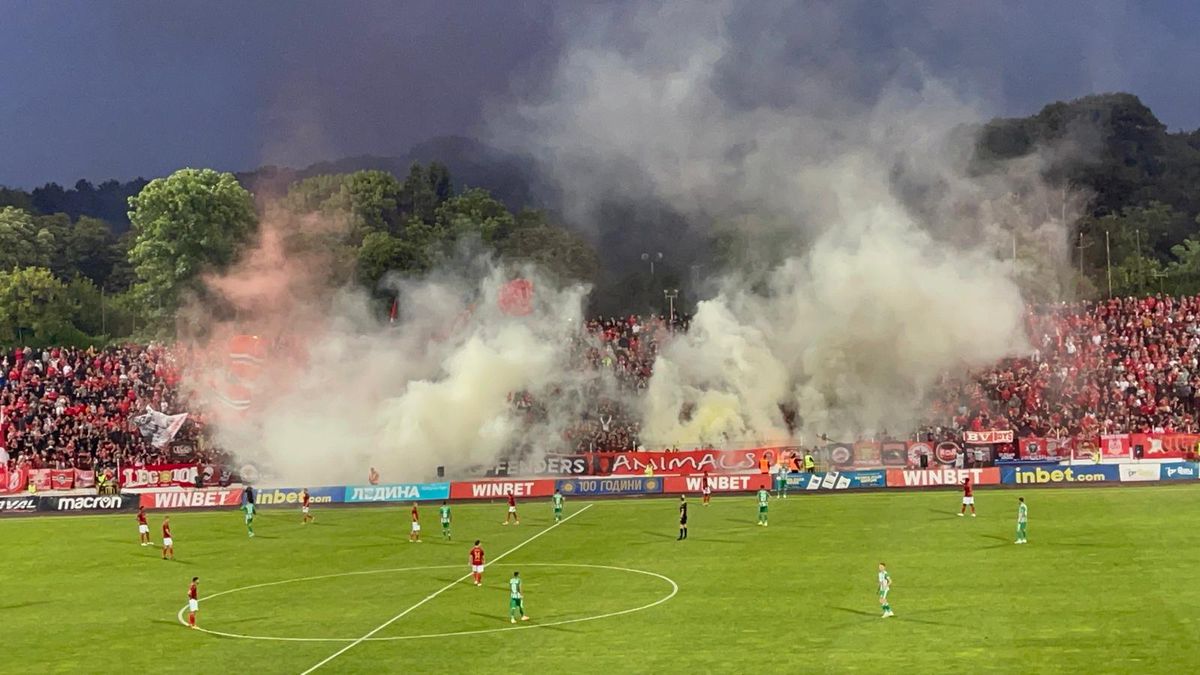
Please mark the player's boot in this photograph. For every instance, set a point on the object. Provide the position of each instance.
(524, 618)
(960, 515)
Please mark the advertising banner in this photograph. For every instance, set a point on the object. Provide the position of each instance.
(18, 505)
(935, 477)
(399, 492)
(838, 480)
(610, 486)
(192, 499)
(160, 475)
(291, 495)
(497, 489)
(1178, 471)
(716, 483)
(12, 482)
(1138, 473)
(121, 502)
(1043, 475)
(988, 437)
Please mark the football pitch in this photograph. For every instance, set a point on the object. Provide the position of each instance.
(1106, 584)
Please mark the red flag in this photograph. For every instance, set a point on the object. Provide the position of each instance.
(394, 311)
(516, 297)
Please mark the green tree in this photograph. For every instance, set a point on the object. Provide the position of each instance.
(475, 213)
(35, 309)
(380, 253)
(1184, 271)
(192, 221)
(563, 255)
(88, 248)
(22, 242)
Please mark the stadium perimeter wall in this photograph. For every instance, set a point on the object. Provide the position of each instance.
(1026, 475)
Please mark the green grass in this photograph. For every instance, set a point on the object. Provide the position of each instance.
(1106, 584)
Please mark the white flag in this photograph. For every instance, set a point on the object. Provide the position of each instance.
(159, 427)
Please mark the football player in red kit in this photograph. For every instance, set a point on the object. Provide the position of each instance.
(168, 542)
(477, 563)
(512, 510)
(968, 498)
(193, 603)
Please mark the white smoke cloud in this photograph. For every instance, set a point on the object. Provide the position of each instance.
(902, 274)
(339, 391)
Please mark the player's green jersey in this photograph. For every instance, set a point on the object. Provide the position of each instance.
(558, 501)
(444, 511)
(248, 507)
(1022, 513)
(764, 497)
(514, 588)
(885, 581)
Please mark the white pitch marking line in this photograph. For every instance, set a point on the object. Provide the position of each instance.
(539, 624)
(436, 593)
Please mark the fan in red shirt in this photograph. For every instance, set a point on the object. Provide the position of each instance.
(415, 533)
(168, 543)
(193, 603)
(477, 563)
(143, 527)
(968, 498)
(512, 510)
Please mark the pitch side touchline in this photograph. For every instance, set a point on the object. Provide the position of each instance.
(436, 593)
(540, 624)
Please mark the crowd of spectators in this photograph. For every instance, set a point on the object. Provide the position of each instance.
(1124, 365)
(1112, 366)
(74, 408)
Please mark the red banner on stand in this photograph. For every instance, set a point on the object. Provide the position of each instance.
(160, 475)
(12, 482)
(688, 462)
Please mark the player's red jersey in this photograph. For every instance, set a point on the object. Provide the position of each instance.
(476, 556)
(414, 514)
(512, 500)
(304, 499)
(166, 531)
(192, 591)
(141, 517)
(967, 488)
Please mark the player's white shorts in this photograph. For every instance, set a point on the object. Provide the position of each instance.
(193, 605)
(143, 529)
(706, 492)
(968, 501)
(477, 569)
(512, 509)
(416, 527)
(168, 542)
(304, 510)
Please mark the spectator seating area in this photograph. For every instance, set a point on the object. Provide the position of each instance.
(1114, 366)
